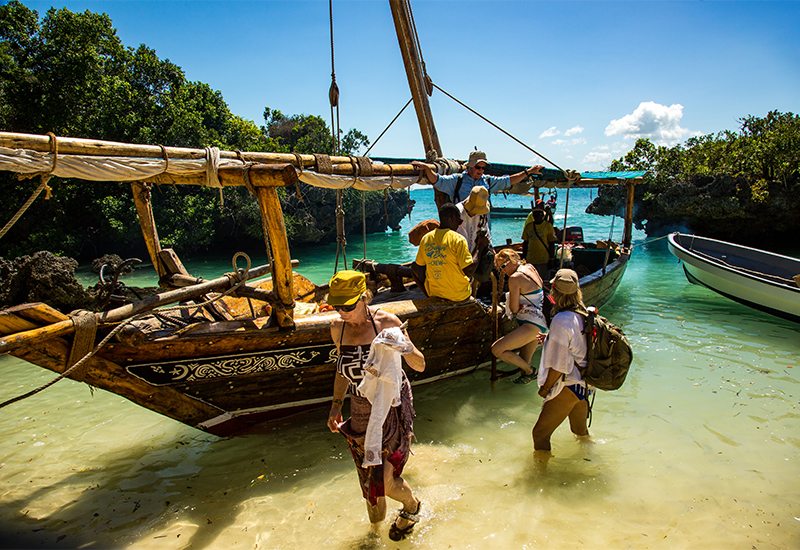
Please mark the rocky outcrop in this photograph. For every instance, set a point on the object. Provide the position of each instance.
(721, 207)
(42, 277)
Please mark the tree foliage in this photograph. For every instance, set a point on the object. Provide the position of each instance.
(68, 73)
(719, 183)
(764, 149)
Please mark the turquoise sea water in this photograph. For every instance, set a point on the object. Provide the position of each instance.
(700, 448)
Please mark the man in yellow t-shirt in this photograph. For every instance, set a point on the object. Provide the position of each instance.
(539, 241)
(444, 265)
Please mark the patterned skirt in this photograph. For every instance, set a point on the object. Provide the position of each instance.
(398, 429)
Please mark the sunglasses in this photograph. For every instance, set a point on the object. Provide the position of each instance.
(504, 265)
(480, 167)
(346, 309)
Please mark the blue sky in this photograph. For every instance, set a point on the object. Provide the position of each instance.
(578, 81)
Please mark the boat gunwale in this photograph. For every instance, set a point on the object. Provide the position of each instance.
(738, 272)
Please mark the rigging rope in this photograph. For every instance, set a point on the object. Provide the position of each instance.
(25, 206)
(473, 111)
(341, 241)
(418, 49)
(389, 126)
(364, 220)
(333, 93)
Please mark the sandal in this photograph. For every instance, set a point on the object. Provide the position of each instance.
(395, 533)
(525, 378)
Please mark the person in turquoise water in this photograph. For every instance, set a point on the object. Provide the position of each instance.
(564, 351)
(353, 333)
(525, 296)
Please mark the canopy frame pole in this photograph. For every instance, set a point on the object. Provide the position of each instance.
(275, 236)
(629, 185)
(144, 209)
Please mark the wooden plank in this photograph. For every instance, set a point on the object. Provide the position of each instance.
(263, 175)
(31, 317)
(171, 263)
(628, 215)
(11, 323)
(12, 341)
(62, 328)
(39, 313)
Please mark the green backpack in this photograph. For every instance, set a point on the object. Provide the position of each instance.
(608, 352)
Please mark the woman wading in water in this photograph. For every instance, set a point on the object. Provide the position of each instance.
(353, 333)
(525, 300)
(564, 350)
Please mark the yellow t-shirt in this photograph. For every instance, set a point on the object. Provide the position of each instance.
(444, 254)
(538, 253)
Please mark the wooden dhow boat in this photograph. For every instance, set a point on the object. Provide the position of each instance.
(266, 351)
(756, 278)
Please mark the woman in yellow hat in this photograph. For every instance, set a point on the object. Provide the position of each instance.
(352, 333)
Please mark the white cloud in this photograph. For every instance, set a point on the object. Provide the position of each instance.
(598, 160)
(573, 130)
(568, 142)
(550, 132)
(651, 120)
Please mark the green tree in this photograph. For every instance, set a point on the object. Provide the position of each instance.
(69, 74)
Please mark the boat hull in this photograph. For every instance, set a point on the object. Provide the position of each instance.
(223, 377)
(753, 277)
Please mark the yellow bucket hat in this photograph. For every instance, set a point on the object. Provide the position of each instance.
(346, 288)
(478, 201)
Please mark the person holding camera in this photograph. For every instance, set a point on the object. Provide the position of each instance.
(539, 240)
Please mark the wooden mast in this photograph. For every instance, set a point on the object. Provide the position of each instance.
(401, 12)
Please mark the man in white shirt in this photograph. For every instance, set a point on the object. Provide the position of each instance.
(475, 229)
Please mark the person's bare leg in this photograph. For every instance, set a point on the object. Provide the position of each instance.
(378, 512)
(578, 417)
(526, 352)
(518, 338)
(553, 413)
(399, 490)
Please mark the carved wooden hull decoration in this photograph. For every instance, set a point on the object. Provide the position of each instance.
(172, 372)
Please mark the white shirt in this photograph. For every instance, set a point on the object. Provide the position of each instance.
(470, 225)
(565, 345)
(382, 391)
